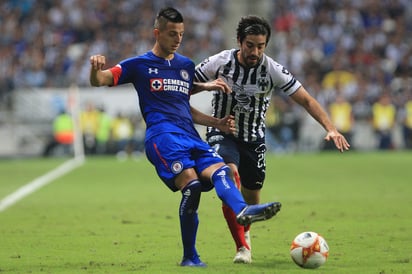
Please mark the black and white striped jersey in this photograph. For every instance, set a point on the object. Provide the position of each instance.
(251, 91)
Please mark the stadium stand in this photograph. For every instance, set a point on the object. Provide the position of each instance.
(362, 47)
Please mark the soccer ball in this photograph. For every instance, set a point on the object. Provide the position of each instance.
(309, 250)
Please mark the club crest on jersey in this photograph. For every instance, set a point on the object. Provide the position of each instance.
(263, 83)
(184, 74)
(177, 167)
(156, 84)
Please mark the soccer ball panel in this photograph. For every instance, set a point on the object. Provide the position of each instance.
(296, 254)
(309, 250)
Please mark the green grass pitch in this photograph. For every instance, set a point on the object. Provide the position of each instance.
(117, 217)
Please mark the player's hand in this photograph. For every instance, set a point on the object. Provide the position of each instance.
(97, 61)
(338, 139)
(227, 124)
(218, 84)
(222, 86)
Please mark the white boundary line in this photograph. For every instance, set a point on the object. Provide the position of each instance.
(40, 182)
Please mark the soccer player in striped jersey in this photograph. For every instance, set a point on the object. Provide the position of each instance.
(252, 76)
(163, 80)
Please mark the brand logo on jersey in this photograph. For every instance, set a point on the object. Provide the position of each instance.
(184, 74)
(243, 100)
(177, 167)
(153, 70)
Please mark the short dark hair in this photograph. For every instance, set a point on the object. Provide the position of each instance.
(167, 14)
(253, 25)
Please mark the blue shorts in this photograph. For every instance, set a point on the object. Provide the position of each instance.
(171, 153)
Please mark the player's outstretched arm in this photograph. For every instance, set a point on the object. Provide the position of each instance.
(226, 124)
(98, 76)
(217, 84)
(303, 98)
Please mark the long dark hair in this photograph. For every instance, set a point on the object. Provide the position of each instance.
(253, 25)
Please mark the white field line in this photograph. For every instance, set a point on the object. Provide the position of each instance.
(40, 182)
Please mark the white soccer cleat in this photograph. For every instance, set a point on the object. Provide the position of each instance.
(243, 256)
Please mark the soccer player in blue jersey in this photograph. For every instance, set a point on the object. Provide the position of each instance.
(252, 76)
(163, 80)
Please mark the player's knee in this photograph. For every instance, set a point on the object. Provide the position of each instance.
(222, 171)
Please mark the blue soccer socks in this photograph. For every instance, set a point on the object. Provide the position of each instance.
(226, 189)
(188, 218)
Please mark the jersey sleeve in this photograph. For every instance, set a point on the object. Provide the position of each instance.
(208, 69)
(283, 79)
(124, 71)
(116, 72)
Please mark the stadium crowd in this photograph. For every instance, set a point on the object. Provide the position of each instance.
(354, 56)
(47, 43)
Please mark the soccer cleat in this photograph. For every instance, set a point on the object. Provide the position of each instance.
(196, 262)
(243, 256)
(255, 213)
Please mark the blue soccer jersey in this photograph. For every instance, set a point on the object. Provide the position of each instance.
(163, 88)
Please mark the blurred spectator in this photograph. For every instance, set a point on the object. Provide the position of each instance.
(139, 133)
(103, 132)
(89, 123)
(361, 107)
(272, 123)
(383, 120)
(63, 135)
(407, 122)
(341, 77)
(282, 124)
(122, 135)
(341, 115)
(6, 87)
(402, 78)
